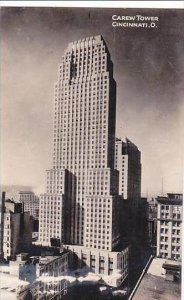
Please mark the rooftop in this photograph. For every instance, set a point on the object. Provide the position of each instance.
(47, 259)
(154, 286)
(171, 198)
(9, 201)
(9, 285)
(26, 192)
(167, 201)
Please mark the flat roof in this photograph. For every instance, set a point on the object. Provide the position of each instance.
(9, 285)
(47, 259)
(154, 286)
(26, 192)
(167, 201)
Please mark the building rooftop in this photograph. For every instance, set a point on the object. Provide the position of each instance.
(9, 201)
(12, 206)
(154, 286)
(175, 195)
(9, 285)
(47, 259)
(26, 192)
(167, 201)
(171, 198)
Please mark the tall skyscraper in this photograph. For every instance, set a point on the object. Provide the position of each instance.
(84, 144)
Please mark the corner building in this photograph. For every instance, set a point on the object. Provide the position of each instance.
(169, 226)
(84, 145)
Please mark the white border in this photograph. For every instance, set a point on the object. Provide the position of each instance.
(105, 4)
(110, 4)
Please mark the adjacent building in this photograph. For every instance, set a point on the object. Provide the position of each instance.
(128, 163)
(34, 277)
(51, 289)
(152, 224)
(2, 210)
(17, 232)
(56, 207)
(169, 226)
(53, 265)
(83, 177)
(157, 283)
(30, 202)
(102, 262)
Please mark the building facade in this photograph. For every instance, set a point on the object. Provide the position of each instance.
(84, 122)
(169, 226)
(30, 202)
(53, 265)
(128, 163)
(35, 277)
(17, 229)
(50, 290)
(102, 262)
(152, 225)
(2, 210)
(84, 147)
(56, 206)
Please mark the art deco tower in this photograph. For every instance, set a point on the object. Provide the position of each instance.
(83, 153)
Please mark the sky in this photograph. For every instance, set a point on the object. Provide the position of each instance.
(148, 69)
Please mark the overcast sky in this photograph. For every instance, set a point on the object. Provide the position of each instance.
(148, 69)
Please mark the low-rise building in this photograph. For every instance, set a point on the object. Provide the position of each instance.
(48, 289)
(12, 288)
(34, 277)
(53, 265)
(101, 262)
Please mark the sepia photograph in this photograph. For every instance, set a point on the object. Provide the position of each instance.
(92, 139)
